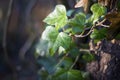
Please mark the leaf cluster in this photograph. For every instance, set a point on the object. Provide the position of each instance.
(57, 39)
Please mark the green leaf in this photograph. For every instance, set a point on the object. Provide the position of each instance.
(117, 37)
(70, 12)
(62, 40)
(97, 10)
(62, 74)
(86, 75)
(51, 41)
(67, 63)
(61, 50)
(48, 63)
(77, 23)
(99, 34)
(74, 51)
(57, 17)
(88, 57)
(47, 40)
(44, 75)
(50, 34)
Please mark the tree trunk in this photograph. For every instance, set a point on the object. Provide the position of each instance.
(107, 64)
(107, 54)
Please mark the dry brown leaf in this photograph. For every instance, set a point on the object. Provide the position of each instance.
(82, 3)
(104, 2)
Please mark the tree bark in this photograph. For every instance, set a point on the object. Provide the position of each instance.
(107, 64)
(107, 54)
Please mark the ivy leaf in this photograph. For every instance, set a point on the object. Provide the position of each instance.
(67, 62)
(62, 40)
(52, 40)
(50, 34)
(70, 12)
(74, 52)
(99, 34)
(43, 75)
(57, 17)
(47, 40)
(48, 63)
(97, 10)
(77, 23)
(88, 57)
(62, 74)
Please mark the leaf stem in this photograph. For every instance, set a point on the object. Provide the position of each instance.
(101, 23)
(91, 29)
(76, 59)
(81, 35)
(61, 60)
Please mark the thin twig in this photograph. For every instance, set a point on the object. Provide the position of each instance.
(85, 50)
(76, 59)
(101, 23)
(107, 26)
(5, 29)
(98, 24)
(81, 35)
(61, 60)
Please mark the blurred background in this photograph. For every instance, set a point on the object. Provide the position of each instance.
(20, 29)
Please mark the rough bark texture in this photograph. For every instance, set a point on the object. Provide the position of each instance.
(107, 64)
